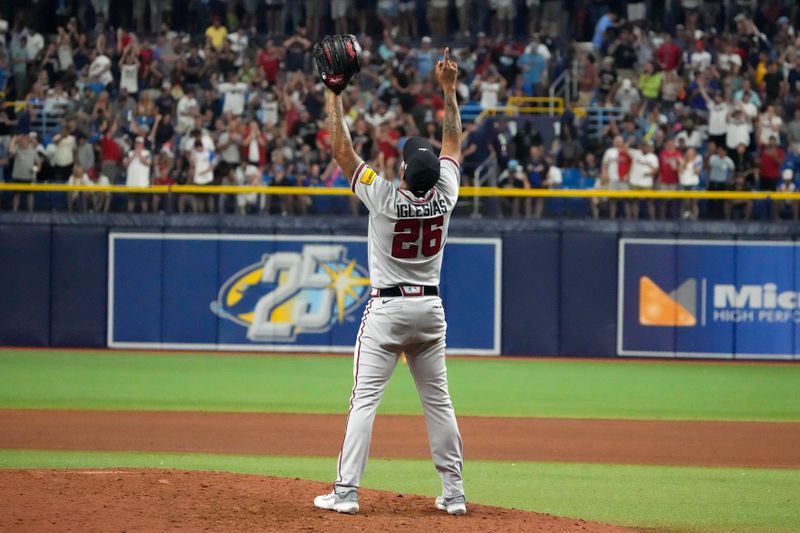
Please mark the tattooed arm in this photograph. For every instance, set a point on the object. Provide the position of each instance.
(446, 72)
(341, 143)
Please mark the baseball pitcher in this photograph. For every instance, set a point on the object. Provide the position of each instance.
(407, 233)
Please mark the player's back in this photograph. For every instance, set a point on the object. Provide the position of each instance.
(407, 233)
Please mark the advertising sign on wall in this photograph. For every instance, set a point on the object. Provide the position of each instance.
(298, 293)
(708, 298)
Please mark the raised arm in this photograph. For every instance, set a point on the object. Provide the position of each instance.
(341, 143)
(446, 72)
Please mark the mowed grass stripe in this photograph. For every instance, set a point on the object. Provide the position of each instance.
(479, 386)
(675, 498)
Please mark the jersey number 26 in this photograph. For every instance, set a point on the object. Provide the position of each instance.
(405, 244)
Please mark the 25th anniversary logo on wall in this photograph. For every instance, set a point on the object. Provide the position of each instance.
(277, 292)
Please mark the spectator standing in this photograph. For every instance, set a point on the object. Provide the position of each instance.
(738, 131)
(162, 176)
(588, 80)
(269, 60)
(100, 69)
(668, 54)
(718, 110)
(769, 125)
(85, 153)
(111, 155)
(769, 168)
(691, 167)
(202, 172)
(533, 66)
(19, 66)
(234, 93)
(296, 50)
(138, 165)
(627, 96)
(26, 165)
(642, 178)
(246, 175)
(739, 208)
(782, 208)
(64, 156)
(187, 109)
(616, 166)
(100, 201)
(216, 34)
(129, 71)
(607, 85)
(720, 176)
(669, 164)
(77, 200)
(793, 133)
(650, 83)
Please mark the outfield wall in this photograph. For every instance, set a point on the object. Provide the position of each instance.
(574, 288)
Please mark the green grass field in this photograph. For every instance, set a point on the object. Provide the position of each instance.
(679, 498)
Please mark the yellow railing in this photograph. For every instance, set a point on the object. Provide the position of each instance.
(344, 191)
(520, 105)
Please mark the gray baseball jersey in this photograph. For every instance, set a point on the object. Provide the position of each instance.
(407, 235)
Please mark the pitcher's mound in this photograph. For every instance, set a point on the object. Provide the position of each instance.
(167, 500)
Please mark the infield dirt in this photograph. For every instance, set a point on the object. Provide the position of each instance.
(684, 443)
(166, 500)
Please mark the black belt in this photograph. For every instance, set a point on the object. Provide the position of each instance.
(406, 290)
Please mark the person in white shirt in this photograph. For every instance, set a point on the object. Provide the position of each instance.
(187, 110)
(129, 71)
(77, 199)
(101, 68)
(729, 60)
(63, 156)
(138, 164)
(246, 175)
(689, 176)
(718, 110)
(689, 136)
(749, 107)
(627, 96)
(738, 130)
(34, 45)
(644, 167)
(769, 125)
(700, 59)
(202, 172)
(239, 43)
(234, 95)
(101, 201)
(781, 206)
(610, 171)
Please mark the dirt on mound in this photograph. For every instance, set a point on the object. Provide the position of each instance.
(167, 500)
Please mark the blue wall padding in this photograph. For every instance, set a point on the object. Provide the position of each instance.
(25, 281)
(588, 293)
(80, 286)
(530, 294)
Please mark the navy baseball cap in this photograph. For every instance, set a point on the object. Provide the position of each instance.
(422, 165)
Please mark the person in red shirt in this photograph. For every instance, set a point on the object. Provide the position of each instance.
(269, 60)
(110, 155)
(669, 164)
(668, 54)
(769, 165)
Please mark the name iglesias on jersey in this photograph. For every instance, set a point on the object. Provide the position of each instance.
(435, 207)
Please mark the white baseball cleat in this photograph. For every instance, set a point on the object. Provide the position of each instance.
(457, 505)
(343, 501)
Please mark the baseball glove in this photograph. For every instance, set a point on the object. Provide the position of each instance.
(338, 59)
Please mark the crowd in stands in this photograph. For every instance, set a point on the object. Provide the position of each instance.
(706, 96)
